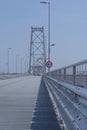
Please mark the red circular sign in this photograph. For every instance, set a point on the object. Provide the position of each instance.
(49, 64)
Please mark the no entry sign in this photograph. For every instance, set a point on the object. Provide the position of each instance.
(49, 64)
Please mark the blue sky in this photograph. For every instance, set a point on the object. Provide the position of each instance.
(68, 30)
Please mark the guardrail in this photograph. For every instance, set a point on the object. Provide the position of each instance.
(75, 74)
(71, 102)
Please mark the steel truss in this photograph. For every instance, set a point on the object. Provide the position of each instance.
(37, 52)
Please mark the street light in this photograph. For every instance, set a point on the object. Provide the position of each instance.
(48, 3)
(43, 2)
(52, 44)
(8, 49)
(21, 65)
(16, 62)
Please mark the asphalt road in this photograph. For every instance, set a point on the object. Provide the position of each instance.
(17, 101)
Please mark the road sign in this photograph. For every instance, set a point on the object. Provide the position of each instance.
(49, 64)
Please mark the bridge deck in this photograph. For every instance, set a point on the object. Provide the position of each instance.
(17, 102)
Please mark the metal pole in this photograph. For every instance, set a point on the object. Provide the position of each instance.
(16, 62)
(21, 65)
(8, 49)
(30, 53)
(44, 2)
(48, 34)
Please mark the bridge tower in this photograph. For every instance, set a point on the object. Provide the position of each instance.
(37, 58)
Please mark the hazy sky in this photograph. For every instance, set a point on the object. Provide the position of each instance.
(68, 30)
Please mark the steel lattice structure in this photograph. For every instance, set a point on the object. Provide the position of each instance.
(37, 52)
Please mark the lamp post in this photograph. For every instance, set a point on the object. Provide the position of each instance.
(21, 65)
(8, 49)
(48, 3)
(16, 62)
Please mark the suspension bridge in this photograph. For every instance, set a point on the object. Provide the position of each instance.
(41, 100)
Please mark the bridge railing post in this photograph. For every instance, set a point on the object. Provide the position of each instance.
(74, 74)
(64, 74)
(60, 74)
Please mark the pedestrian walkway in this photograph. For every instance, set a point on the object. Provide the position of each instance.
(44, 117)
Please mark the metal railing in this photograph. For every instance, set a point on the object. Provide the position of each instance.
(75, 74)
(71, 103)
